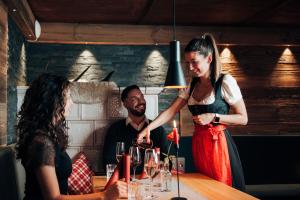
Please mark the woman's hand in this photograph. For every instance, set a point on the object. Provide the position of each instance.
(117, 190)
(204, 119)
(145, 133)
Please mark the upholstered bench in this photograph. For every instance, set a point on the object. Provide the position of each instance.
(271, 164)
(12, 175)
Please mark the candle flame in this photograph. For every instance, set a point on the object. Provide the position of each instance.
(174, 123)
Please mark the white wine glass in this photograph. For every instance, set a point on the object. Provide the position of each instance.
(150, 167)
(120, 150)
(135, 158)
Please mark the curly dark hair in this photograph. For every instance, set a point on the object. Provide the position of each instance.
(42, 111)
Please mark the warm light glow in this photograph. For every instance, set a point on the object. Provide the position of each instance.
(174, 123)
(286, 64)
(226, 52)
(155, 65)
(287, 51)
(287, 56)
(21, 72)
(227, 56)
(228, 60)
(175, 87)
(85, 59)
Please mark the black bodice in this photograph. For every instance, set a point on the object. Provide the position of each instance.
(218, 106)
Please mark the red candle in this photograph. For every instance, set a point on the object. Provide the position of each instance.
(175, 134)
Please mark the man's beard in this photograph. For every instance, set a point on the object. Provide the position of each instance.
(137, 113)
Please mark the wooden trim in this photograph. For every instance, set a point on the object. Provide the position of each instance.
(73, 33)
(21, 12)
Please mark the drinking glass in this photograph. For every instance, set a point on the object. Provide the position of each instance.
(150, 167)
(110, 168)
(120, 150)
(135, 158)
(143, 144)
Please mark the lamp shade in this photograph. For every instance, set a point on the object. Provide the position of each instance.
(175, 77)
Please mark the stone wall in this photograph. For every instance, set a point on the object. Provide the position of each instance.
(142, 65)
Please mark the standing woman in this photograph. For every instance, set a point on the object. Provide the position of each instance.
(209, 96)
(43, 140)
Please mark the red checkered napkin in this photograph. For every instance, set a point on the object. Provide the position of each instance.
(80, 180)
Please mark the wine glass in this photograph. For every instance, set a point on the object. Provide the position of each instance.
(150, 166)
(120, 150)
(135, 158)
(143, 144)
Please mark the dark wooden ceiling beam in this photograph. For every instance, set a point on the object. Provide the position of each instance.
(266, 13)
(145, 11)
(21, 12)
(149, 35)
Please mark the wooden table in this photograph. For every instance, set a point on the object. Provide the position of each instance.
(193, 186)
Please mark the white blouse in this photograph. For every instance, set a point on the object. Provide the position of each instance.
(230, 92)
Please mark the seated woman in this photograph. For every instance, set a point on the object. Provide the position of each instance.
(43, 140)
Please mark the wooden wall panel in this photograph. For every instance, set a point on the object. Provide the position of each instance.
(3, 73)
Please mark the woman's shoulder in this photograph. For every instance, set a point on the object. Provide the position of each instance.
(41, 137)
(41, 150)
(228, 81)
(228, 77)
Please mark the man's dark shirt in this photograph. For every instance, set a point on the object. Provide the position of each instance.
(119, 132)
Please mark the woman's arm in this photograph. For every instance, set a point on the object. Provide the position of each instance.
(163, 117)
(50, 189)
(237, 117)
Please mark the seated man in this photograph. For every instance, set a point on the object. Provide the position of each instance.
(126, 130)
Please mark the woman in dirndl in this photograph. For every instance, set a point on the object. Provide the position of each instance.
(209, 96)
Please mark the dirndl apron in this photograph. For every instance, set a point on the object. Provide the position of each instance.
(214, 151)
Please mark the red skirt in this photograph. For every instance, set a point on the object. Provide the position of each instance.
(210, 152)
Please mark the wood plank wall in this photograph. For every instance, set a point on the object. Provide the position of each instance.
(269, 77)
(3, 73)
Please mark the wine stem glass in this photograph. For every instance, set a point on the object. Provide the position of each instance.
(135, 158)
(120, 150)
(150, 166)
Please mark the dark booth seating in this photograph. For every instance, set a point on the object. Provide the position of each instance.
(271, 164)
(12, 175)
(8, 180)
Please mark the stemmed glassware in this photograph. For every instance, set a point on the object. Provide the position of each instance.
(135, 158)
(120, 150)
(150, 166)
(143, 144)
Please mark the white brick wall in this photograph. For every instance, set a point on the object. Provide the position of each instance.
(88, 122)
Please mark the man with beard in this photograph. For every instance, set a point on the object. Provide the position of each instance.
(126, 130)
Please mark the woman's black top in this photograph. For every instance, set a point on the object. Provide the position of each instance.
(43, 151)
